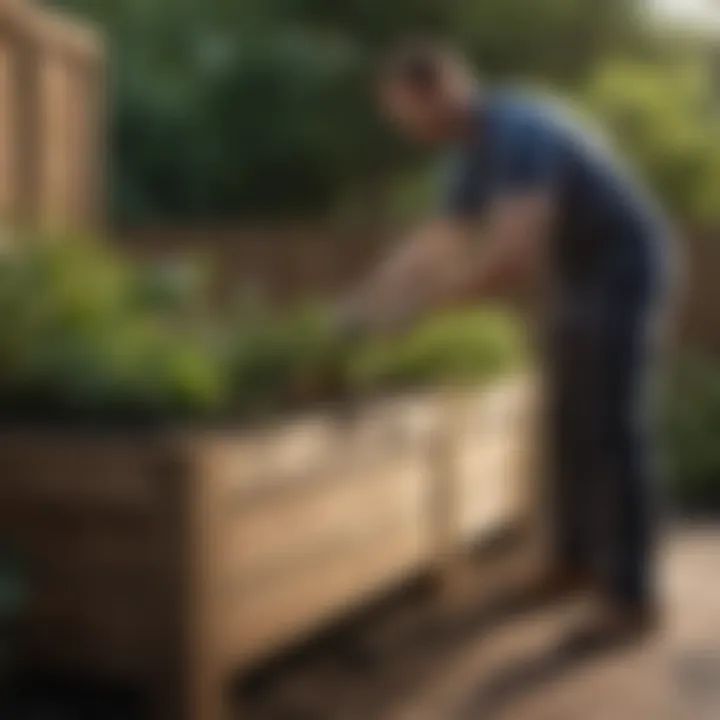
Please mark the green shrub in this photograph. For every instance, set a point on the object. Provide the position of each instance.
(270, 102)
(694, 424)
(279, 359)
(82, 335)
(663, 117)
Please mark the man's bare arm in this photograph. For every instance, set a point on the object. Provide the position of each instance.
(413, 278)
(452, 262)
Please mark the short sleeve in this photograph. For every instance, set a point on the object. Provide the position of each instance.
(521, 157)
(528, 161)
(465, 186)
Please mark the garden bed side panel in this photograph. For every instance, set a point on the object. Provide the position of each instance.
(311, 521)
(82, 516)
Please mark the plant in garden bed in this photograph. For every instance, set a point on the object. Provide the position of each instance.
(278, 359)
(87, 335)
(462, 347)
(694, 422)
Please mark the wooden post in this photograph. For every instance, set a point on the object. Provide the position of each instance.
(27, 123)
(444, 508)
(8, 120)
(95, 162)
(191, 682)
(537, 475)
(463, 580)
(52, 88)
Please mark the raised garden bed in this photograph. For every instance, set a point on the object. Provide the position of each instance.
(181, 558)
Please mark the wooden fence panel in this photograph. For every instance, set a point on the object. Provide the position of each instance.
(51, 120)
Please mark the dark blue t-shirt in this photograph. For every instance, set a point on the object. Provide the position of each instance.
(610, 237)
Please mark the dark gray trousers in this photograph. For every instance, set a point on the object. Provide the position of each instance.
(601, 372)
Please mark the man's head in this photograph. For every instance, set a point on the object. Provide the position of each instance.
(426, 90)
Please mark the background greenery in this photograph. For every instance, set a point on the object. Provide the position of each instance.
(694, 422)
(264, 107)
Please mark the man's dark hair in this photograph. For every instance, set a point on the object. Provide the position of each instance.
(419, 64)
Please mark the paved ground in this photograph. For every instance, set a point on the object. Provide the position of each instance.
(515, 674)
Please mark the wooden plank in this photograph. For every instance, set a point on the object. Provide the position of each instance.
(323, 593)
(491, 475)
(59, 470)
(259, 460)
(108, 636)
(190, 677)
(80, 515)
(383, 545)
(493, 460)
(294, 526)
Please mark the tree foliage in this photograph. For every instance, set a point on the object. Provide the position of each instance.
(228, 108)
(664, 115)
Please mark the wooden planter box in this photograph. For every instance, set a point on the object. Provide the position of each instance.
(183, 557)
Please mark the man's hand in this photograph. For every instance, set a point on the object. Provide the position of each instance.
(419, 275)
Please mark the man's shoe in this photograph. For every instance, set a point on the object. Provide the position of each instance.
(563, 581)
(614, 625)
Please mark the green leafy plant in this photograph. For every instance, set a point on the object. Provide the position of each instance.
(87, 335)
(279, 359)
(663, 116)
(693, 426)
(83, 335)
(462, 347)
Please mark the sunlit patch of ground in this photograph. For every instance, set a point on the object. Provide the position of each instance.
(514, 674)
